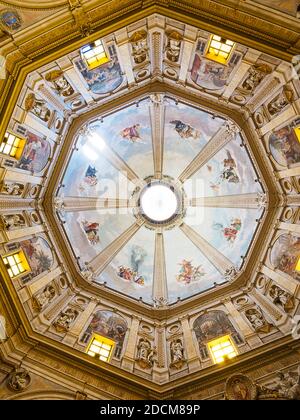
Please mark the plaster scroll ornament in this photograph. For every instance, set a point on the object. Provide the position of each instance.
(231, 273)
(285, 98)
(58, 203)
(139, 46)
(174, 40)
(157, 98)
(38, 107)
(232, 129)
(258, 321)
(65, 319)
(256, 75)
(160, 302)
(282, 298)
(45, 297)
(262, 200)
(177, 357)
(11, 188)
(12, 221)
(146, 355)
(88, 274)
(240, 387)
(19, 380)
(59, 83)
(82, 20)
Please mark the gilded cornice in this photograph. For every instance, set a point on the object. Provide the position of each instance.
(70, 366)
(25, 55)
(35, 4)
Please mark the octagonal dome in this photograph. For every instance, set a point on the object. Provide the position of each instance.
(118, 161)
(151, 201)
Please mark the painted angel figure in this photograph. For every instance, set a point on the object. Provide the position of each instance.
(129, 274)
(189, 273)
(90, 179)
(91, 230)
(185, 131)
(125, 273)
(228, 173)
(132, 133)
(230, 232)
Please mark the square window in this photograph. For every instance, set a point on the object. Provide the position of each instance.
(94, 54)
(297, 132)
(222, 349)
(219, 49)
(100, 347)
(16, 264)
(12, 145)
(298, 265)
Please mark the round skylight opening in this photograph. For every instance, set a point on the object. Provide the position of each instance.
(159, 203)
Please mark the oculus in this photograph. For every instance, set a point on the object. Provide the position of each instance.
(158, 202)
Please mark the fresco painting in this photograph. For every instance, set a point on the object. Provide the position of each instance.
(229, 172)
(212, 325)
(10, 20)
(129, 134)
(38, 253)
(90, 174)
(186, 132)
(228, 230)
(92, 231)
(285, 145)
(108, 324)
(132, 134)
(210, 74)
(35, 154)
(103, 79)
(189, 273)
(285, 254)
(188, 270)
(131, 271)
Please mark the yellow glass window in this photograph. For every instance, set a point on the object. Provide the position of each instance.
(94, 54)
(297, 132)
(12, 145)
(222, 349)
(100, 347)
(219, 49)
(16, 264)
(298, 265)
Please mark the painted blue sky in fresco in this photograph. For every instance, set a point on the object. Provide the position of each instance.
(179, 150)
(127, 135)
(243, 179)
